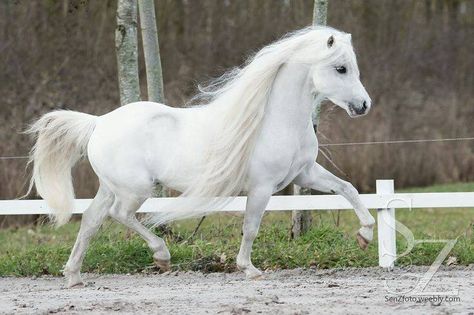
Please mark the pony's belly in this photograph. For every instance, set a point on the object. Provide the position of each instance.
(278, 174)
(178, 154)
(178, 172)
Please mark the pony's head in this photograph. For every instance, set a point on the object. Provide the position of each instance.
(334, 71)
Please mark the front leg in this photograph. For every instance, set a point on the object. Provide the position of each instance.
(257, 200)
(317, 177)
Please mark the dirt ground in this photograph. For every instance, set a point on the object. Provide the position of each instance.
(299, 291)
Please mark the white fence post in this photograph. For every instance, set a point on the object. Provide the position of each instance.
(386, 227)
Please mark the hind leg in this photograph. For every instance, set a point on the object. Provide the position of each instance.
(90, 224)
(123, 210)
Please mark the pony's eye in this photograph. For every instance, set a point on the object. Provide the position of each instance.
(341, 69)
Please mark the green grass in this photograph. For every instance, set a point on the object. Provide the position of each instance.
(455, 187)
(37, 250)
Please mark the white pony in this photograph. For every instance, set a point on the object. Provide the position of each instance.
(254, 135)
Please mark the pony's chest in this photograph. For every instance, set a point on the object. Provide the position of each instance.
(302, 156)
(279, 159)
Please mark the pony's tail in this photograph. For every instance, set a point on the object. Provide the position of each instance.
(61, 140)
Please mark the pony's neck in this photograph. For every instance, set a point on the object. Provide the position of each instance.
(291, 100)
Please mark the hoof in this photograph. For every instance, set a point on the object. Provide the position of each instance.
(251, 273)
(363, 243)
(74, 282)
(256, 277)
(77, 285)
(163, 265)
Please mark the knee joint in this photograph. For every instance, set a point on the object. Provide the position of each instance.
(348, 188)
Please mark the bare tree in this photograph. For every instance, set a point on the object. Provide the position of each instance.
(320, 12)
(126, 44)
(301, 220)
(151, 48)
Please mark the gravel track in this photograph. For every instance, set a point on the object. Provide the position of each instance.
(299, 291)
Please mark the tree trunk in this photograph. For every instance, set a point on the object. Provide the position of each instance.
(151, 48)
(301, 220)
(127, 52)
(320, 12)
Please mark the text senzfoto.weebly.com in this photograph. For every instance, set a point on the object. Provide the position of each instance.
(421, 299)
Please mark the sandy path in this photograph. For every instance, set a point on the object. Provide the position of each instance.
(355, 291)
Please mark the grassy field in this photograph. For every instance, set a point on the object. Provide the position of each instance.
(37, 250)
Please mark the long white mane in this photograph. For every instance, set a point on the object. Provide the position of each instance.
(242, 95)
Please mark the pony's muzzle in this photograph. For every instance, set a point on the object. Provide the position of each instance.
(359, 109)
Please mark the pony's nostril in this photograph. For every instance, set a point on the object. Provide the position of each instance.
(364, 105)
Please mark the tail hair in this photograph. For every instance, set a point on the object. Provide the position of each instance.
(61, 139)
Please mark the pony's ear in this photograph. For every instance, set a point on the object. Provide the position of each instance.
(330, 41)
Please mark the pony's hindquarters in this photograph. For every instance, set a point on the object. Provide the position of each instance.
(61, 140)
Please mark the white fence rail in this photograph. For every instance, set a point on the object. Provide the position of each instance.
(385, 200)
